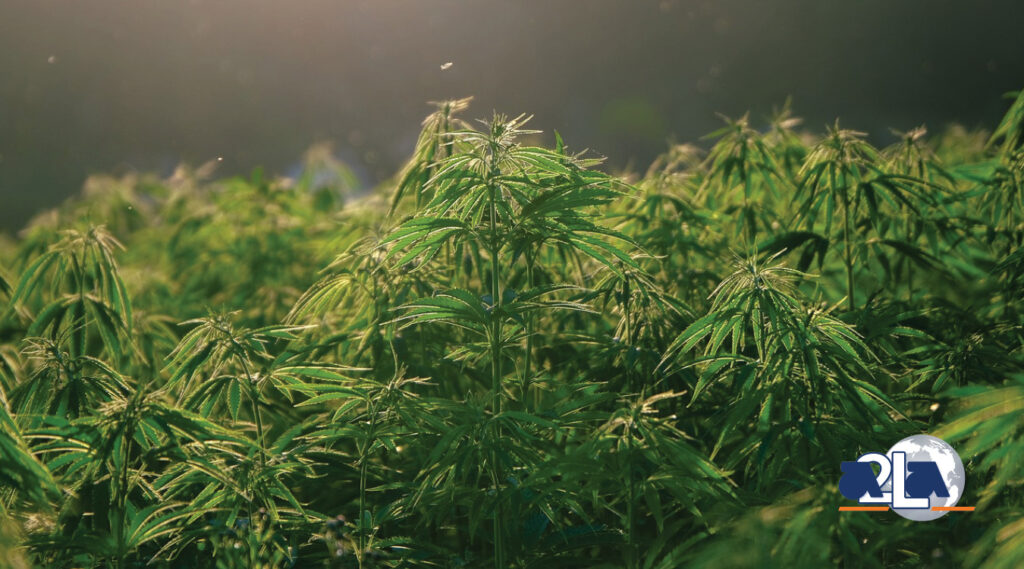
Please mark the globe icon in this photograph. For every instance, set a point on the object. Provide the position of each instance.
(929, 448)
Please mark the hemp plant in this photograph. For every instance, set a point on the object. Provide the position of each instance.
(495, 200)
(844, 176)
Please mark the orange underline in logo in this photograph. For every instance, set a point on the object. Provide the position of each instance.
(884, 508)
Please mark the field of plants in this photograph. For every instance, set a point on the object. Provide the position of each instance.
(507, 358)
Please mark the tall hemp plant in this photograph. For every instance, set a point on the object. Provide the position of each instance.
(741, 158)
(843, 176)
(500, 203)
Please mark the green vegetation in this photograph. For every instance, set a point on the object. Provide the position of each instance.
(507, 358)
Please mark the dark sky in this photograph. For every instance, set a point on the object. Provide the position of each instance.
(113, 86)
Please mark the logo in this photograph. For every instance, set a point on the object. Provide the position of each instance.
(921, 478)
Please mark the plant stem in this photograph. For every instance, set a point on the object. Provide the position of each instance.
(846, 245)
(628, 331)
(362, 508)
(631, 554)
(259, 424)
(121, 490)
(495, 340)
(363, 458)
(911, 238)
(529, 334)
(254, 400)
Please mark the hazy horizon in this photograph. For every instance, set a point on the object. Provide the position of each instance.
(114, 86)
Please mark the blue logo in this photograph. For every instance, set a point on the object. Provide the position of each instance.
(921, 478)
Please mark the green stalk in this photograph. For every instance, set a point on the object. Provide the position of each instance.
(362, 508)
(254, 396)
(748, 228)
(906, 262)
(846, 245)
(627, 316)
(495, 340)
(631, 553)
(121, 489)
(254, 399)
(364, 453)
(120, 506)
(529, 333)
(78, 333)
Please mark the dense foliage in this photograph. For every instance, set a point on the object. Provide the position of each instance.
(507, 358)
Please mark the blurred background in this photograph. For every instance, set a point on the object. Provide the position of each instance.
(120, 86)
